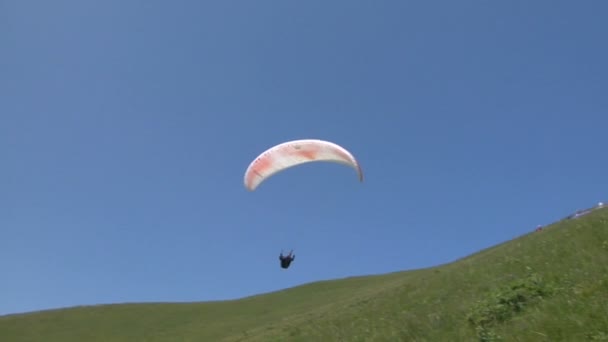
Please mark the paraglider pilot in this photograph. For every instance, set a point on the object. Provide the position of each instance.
(286, 260)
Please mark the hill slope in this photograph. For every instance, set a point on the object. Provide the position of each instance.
(544, 286)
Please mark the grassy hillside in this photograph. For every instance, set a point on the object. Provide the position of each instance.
(544, 286)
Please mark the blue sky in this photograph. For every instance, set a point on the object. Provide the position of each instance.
(126, 127)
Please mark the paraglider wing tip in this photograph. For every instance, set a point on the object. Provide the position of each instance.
(360, 172)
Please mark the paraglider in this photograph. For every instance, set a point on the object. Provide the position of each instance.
(286, 260)
(293, 153)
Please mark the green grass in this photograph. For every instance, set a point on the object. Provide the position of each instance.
(545, 286)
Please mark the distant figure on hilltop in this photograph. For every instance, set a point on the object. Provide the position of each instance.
(286, 260)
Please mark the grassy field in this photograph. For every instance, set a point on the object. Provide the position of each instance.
(543, 286)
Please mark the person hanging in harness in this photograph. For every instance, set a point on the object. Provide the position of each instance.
(286, 260)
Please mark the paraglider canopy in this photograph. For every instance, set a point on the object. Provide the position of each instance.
(296, 152)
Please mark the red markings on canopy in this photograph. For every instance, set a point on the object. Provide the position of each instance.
(259, 167)
(308, 154)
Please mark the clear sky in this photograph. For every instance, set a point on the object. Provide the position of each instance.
(126, 127)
